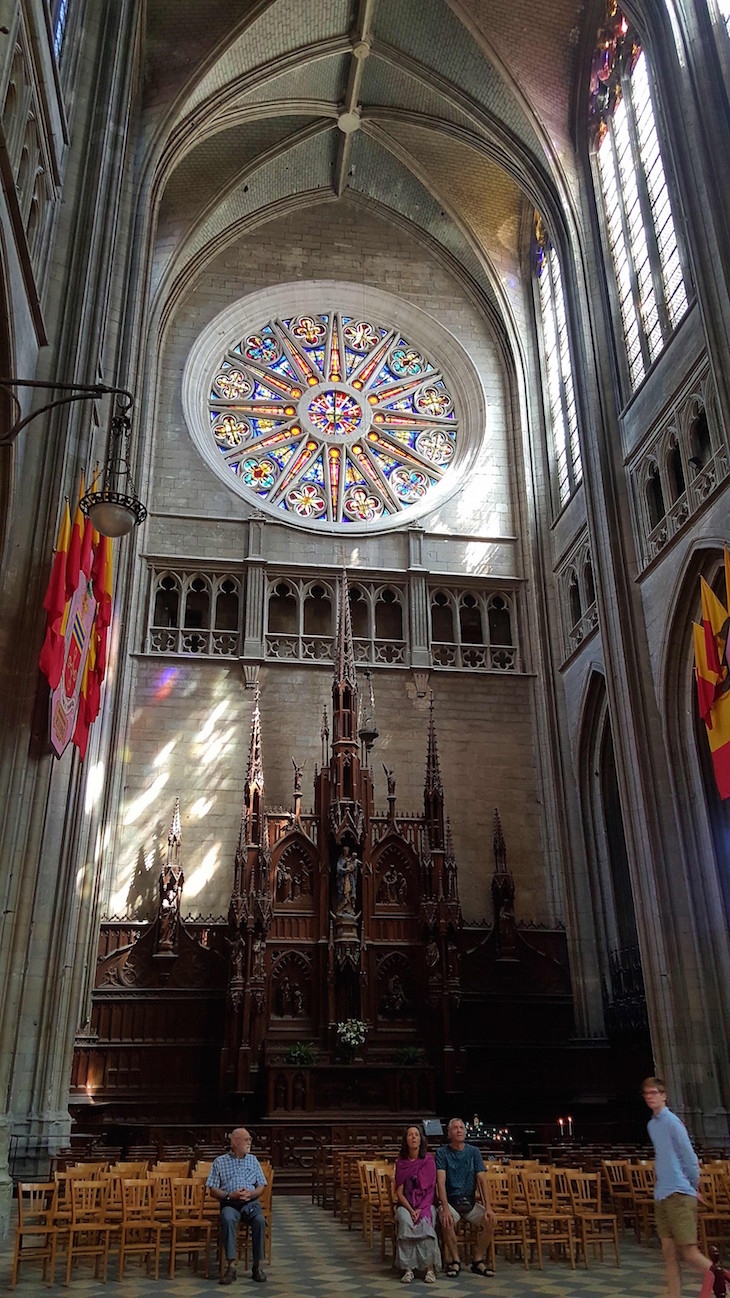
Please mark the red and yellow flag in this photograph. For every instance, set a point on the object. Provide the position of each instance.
(713, 677)
(705, 677)
(73, 563)
(51, 659)
(715, 624)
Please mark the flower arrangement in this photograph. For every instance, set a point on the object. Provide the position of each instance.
(351, 1034)
(301, 1053)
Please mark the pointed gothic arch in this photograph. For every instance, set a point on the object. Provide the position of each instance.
(704, 818)
(611, 893)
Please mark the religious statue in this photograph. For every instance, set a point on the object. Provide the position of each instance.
(433, 959)
(257, 962)
(283, 882)
(238, 955)
(395, 999)
(284, 998)
(347, 868)
(297, 1001)
(393, 888)
(390, 777)
(171, 885)
(298, 773)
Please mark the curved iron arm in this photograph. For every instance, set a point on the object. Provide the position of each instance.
(76, 391)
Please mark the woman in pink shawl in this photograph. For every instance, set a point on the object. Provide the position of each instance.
(415, 1183)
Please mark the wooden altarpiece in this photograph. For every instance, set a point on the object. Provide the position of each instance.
(342, 914)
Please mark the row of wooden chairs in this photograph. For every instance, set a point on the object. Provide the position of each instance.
(86, 1217)
(535, 1209)
(631, 1190)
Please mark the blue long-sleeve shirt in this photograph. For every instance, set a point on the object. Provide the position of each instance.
(677, 1167)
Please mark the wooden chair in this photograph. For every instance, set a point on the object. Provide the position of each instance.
(350, 1187)
(616, 1172)
(510, 1227)
(36, 1236)
(162, 1185)
(562, 1192)
(641, 1179)
(89, 1231)
(553, 1227)
(92, 1168)
(201, 1168)
(267, 1207)
(370, 1196)
(585, 1194)
(191, 1229)
(386, 1207)
(714, 1210)
(181, 1168)
(64, 1181)
(140, 1232)
(130, 1170)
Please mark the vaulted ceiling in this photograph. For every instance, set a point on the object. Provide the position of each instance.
(451, 116)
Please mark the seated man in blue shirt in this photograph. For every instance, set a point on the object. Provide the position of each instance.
(675, 1191)
(237, 1182)
(459, 1172)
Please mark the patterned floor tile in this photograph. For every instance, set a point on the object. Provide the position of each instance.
(315, 1257)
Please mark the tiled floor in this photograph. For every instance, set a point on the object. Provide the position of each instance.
(315, 1257)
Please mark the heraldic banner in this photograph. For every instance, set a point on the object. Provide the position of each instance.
(65, 697)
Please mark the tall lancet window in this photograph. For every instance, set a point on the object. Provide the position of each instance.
(637, 209)
(59, 27)
(560, 394)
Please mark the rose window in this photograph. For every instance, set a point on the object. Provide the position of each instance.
(332, 418)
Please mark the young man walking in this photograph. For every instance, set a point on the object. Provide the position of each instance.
(675, 1190)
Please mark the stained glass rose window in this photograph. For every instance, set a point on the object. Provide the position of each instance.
(333, 418)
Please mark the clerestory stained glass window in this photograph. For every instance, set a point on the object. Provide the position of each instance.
(560, 392)
(333, 418)
(59, 27)
(637, 210)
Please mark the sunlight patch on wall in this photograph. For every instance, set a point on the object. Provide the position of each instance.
(204, 872)
(201, 807)
(94, 786)
(140, 804)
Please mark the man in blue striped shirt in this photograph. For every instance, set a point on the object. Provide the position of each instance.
(237, 1182)
(675, 1191)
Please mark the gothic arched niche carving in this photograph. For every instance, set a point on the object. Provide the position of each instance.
(294, 874)
(394, 875)
(291, 986)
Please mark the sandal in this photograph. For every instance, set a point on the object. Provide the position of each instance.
(453, 1270)
(480, 1268)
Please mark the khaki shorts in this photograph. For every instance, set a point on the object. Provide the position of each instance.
(676, 1218)
(474, 1215)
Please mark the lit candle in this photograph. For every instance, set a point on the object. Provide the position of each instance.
(570, 1127)
(561, 1124)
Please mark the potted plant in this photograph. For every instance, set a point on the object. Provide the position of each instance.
(302, 1054)
(410, 1056)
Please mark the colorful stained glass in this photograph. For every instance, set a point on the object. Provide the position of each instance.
(232, 384)
(259, 474)
(335, 413)
(410, 484)
(309, 330)
(307, 500)
(435, 445)
(405, 362)
(262, 347)
(333, 418)
(360, 336)
(362, 505)
(229, 431)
